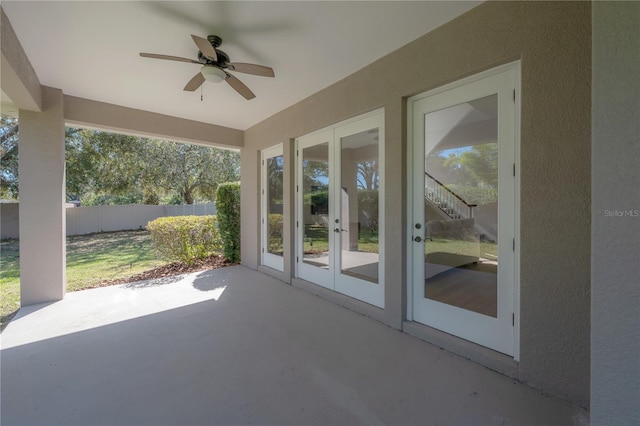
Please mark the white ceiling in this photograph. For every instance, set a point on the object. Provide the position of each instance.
(90, 49)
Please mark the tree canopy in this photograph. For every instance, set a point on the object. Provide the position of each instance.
(108, 168)
(8, 157)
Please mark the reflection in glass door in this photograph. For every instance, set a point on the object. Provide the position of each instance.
(463, 272)
(339, 218)
(314, 215)
(272, 208)
(460, 202)
(359, 218)
(315, 195)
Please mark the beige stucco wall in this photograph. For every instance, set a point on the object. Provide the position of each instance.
(553, 42)
(615, 230)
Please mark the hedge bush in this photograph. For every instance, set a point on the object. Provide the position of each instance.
(228, 207)
(274, 233)
(185, 238)
(319, 202)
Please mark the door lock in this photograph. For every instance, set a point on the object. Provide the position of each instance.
(417, 239)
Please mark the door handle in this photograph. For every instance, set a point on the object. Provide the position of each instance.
(417, 239)
(338, 230)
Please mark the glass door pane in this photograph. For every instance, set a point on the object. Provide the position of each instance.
(315, 205)
(461, 205)
(359, 225)
(272, 207)
(274, 200)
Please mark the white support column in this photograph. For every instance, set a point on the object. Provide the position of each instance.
(42, 201)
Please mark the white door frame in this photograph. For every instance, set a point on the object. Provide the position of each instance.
(415, 162)
(332, 278)
(268, 259)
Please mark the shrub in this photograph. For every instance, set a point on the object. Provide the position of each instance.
(319, 202)
(274, 233)
(228, 207)
(185, 238)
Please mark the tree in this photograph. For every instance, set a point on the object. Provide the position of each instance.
(103, 167)
(8, 157)
(190, 170)
(480, 164)
(145, 169)
(315, 175)
(275, 178)
(368, 177)
(471, 174)
(9, 147)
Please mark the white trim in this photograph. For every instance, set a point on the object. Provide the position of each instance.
(267, 259)
(516, 201)
(512, 66)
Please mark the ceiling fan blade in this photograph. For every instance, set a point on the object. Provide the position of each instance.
(205, 47)
(254, 69)
(195, 82)
(168, 57)
(239, 87)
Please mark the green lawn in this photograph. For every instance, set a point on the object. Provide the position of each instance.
(9, 280)
(316, 240)
(482, 249)
(91, 259)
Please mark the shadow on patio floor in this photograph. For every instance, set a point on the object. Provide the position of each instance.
(262, 352)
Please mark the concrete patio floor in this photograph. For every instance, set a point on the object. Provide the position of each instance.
(232, 346)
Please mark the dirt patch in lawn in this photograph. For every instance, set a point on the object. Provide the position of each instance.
(172, 269)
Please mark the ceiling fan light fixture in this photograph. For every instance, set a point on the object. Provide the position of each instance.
(213, 74)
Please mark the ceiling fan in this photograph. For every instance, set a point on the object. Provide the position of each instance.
(215, 66)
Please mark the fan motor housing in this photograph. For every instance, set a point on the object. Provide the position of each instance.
(223, 59)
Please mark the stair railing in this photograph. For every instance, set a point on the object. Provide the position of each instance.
(446, 200)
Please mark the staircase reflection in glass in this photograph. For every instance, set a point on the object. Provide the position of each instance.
(460, 201)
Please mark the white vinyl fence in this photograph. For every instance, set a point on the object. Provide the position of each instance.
(91, 219)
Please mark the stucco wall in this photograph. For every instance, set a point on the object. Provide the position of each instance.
(553, 42)
(615, 250)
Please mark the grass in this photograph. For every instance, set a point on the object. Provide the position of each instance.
(483, 249)
(316, 240)
(9, 280)
(94, 258)
(91, 259)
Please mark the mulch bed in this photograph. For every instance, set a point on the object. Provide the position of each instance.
(176, 268)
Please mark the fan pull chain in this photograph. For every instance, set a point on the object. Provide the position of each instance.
(201, 97)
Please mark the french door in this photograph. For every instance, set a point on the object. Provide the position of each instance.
(463, 213)
(339, 221)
